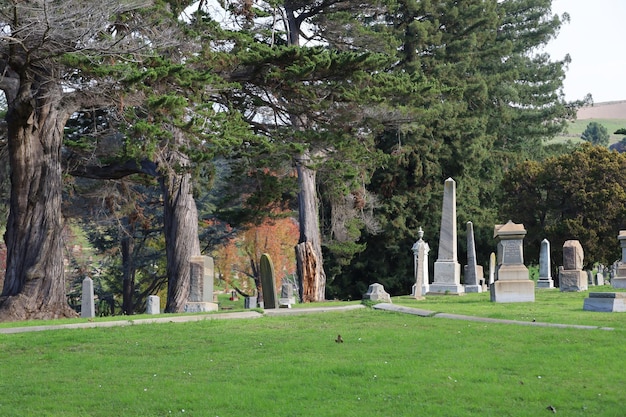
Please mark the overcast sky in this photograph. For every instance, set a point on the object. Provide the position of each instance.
(594, 38)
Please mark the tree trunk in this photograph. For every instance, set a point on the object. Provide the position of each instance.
(128, 268)
(34, 286)
(180, 218)
(311, 275)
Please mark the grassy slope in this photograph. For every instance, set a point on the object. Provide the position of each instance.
(576, 128)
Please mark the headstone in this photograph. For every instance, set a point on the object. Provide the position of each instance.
(571, 274)
(153, 306)
(472, 277)
(447, 274)
(545, 275)
(512, 283)
(606, 302)
(492, 268)
(376, 292)
(287, 299)
(268, 282)
(420, 266)
(88, 307)
(590, 280)
(619, 279)
(200, 285)
(249, 302)
(599, 278)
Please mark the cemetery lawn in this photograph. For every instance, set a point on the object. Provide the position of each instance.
(390, 364)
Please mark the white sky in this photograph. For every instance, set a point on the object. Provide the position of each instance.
(594, 38)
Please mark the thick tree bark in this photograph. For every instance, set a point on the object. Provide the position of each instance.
(311, 274)
(34, 286)
(180, 217)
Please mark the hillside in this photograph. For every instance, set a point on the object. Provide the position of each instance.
(615, 110)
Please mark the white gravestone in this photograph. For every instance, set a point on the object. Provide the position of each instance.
(153, 306)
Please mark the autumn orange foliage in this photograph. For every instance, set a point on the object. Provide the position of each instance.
(238, 260)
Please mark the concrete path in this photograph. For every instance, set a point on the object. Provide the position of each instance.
(427, 313)
(286, 312)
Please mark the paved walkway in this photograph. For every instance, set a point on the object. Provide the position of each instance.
(285, 312)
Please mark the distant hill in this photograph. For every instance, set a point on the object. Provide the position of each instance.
(614, 110)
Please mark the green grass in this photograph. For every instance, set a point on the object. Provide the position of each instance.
(390, 365)
(576, 128)
(550, 306)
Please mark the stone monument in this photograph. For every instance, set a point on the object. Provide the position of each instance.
(619, 279)
(606, 302)
(420, 266)
(473, 272)
(376, 292)
(87, 306)
(287, 298)
(447, 274)
(200, 285)
(545, 276)
(492, 268)
(571, 274)
(512, 283)
(268, 282)
(153, 306)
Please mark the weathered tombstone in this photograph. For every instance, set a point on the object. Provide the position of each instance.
(420, 266)
(376, 292)
(472, 277)
(545, 275)
(201, 285)
(571, 274)
(153, 306)
(619, 279)
(268, 282)
(87, 307)
(512, 283)
(606, 302)
(287, 299)
(492, 268)
(590, 281)
(249, 302)
(447, 274)
(599, 278)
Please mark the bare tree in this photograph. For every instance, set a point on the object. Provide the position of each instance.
(48, 53)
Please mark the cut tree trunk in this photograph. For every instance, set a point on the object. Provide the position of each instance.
(34, 286)
(311, 275)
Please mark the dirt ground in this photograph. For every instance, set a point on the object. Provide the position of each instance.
(607, 110)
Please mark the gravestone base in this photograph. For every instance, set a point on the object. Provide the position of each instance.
(607, 302)
(417, 294)
(572, 281)
(447, 279)
(376, 292)
(545, 283)
(200, 307)
(618, 282)
(473, 288)
(513, 291)
(286, 302)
